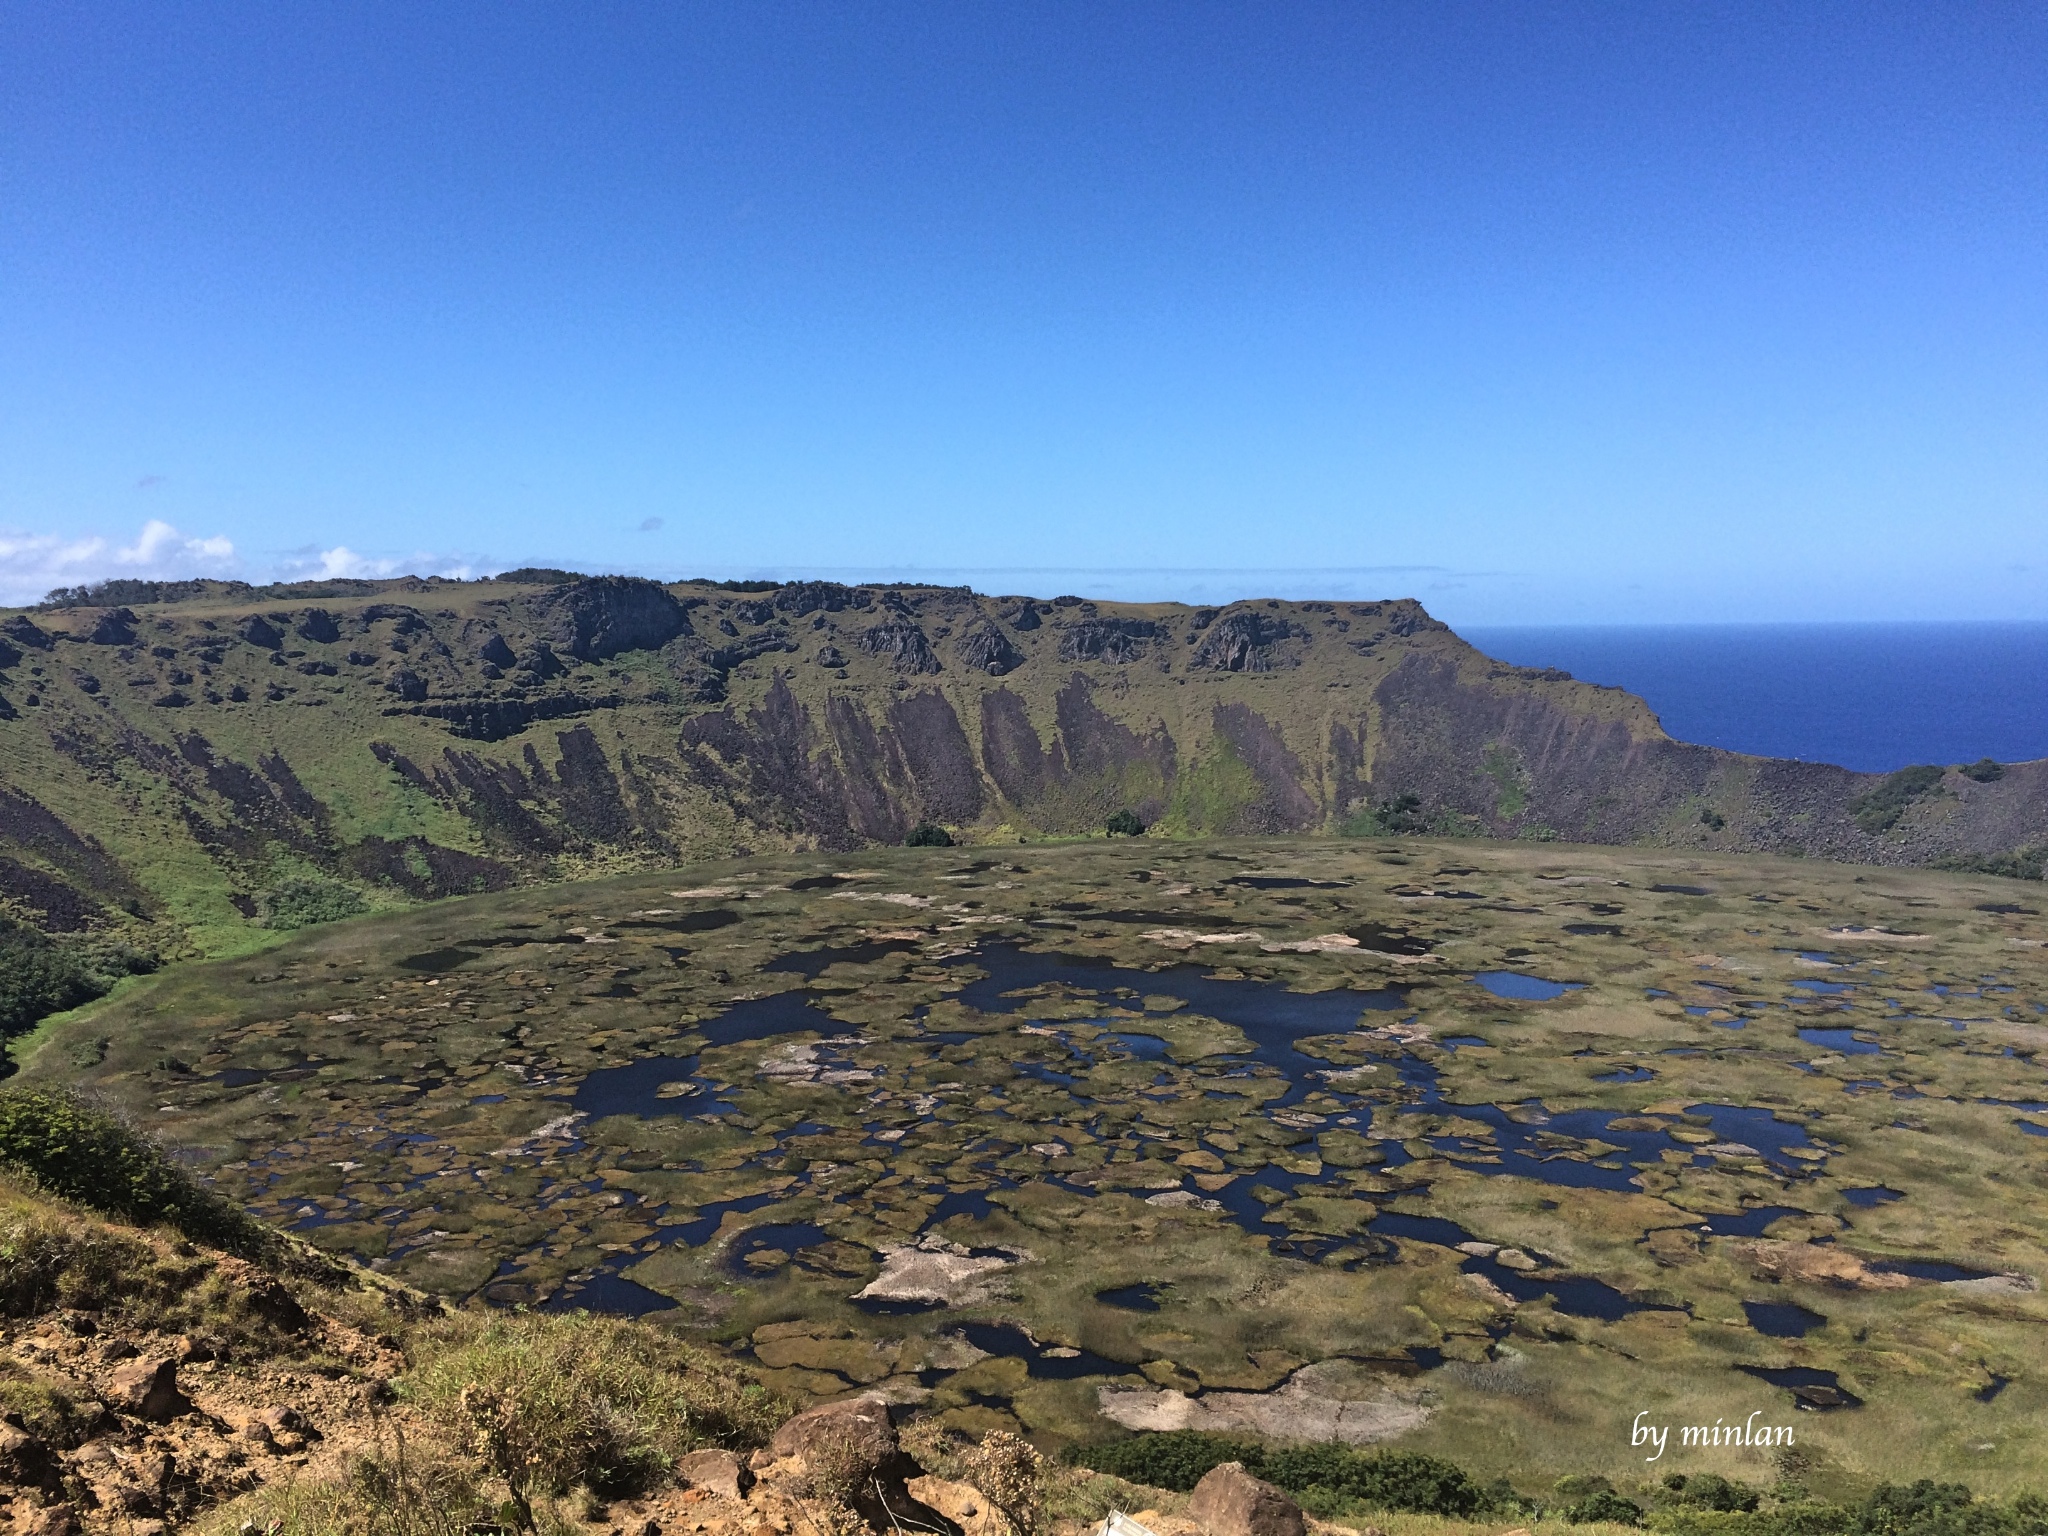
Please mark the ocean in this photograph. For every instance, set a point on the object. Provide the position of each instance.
(1872, 697)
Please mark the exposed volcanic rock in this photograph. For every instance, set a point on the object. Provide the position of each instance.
(21, 629)
(1282, 805)
(318, 626)
(604, 615)
(426, 870)
(986, 648)
(764, 760)
(1097, 765)
(936, 754)
(497, 652)
(801, 598)
(903, 643)
(258, 630)
(494, 719)
(1244, 639)
(115, 626)
(1114, 640)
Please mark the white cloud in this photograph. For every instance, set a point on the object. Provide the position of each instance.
(32, 563)
(343, 561)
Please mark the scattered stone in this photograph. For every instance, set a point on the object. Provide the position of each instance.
(719, 1471)
(147, 1388)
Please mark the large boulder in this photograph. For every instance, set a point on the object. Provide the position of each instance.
(1229, 1501)
(856, 1433)
(849, 1450)
(605, 615)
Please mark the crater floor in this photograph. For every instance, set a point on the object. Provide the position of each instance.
(1482, 1148)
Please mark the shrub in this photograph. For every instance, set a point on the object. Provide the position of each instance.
(1928, 1508)
(1712, 819)
(1175, 1458)
(302, 903)
(1011, 1475)
(1402, 814)
(1334, 1477)
(1606, 1506)
(2020, 864)
(928, 834)
(1710, 1490)
(938, 1449)
(553, 1401)
(1878, 810)
(1986, 770)
(86, 1155)
(1400, 1480)
(1125, 824)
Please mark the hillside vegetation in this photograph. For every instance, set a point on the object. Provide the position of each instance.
(187, 766)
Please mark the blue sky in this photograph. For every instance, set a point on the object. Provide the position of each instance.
(1540, 313)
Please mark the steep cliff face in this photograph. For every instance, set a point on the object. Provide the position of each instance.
(173, 764)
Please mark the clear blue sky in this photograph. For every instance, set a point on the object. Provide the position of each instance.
(1538, 312)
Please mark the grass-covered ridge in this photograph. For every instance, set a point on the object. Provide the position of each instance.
(184, 763)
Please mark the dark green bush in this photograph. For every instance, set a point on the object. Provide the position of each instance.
(1604, 1504)
(1879, 809)
(1928, 1508)
(1712, 819)
(87, 1156)
(1400, 1480)
(302, 903)
(2020, 864)
(1925, 1508)
(39, 978)
(1125, 824)
(1175, 1458)
(1401, 814)
(1333, 1479)
(928, 834)
(1986, 770)
(1710, 1490)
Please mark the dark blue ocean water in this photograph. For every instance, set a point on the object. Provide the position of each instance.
(1868, 696)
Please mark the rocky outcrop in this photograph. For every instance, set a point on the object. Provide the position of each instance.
(902, 644)
(987, 649)
(115, 626)
(601, 616)
(1118, 641)
(1244, 640)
